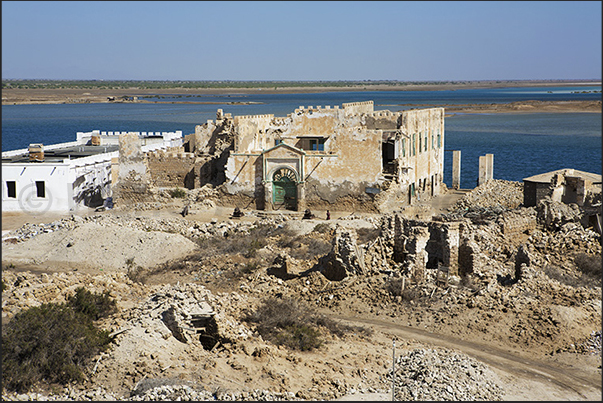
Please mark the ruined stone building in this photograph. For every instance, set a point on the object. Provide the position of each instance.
(322, 157)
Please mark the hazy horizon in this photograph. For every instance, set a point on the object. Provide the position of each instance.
(406, 41)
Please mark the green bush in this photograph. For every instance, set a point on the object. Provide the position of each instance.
(53, 343)
(178, 193)
(95, 306)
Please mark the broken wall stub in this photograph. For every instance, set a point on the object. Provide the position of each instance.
(417, 255)
(513, 223)
(450, 247)
(345, 258)
(133, 180)
(469, 251)
(429, 245)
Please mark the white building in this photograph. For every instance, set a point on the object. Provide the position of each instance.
(63, 177)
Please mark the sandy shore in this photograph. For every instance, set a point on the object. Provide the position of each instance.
(61, 96)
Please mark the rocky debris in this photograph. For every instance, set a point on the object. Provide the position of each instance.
(592, 345)
(541, 310)
(437, 375)
(345, 258)
(553, 215)
(494, 194)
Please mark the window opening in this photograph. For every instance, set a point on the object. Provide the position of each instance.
(40, 189)
(388, 157)
(414, 143)
(317, 144)
(12, 189)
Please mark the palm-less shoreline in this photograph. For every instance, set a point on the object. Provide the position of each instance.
(15, 96)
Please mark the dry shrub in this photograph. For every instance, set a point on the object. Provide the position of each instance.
(555, 273)
(293, 324)
(590, 265)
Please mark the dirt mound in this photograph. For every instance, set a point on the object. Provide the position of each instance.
(95, 247)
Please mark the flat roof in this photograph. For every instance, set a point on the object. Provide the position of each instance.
(546, 177)
(59, 154)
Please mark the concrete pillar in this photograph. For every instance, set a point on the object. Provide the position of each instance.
(456, 169)
(489, 166)
(481, 178)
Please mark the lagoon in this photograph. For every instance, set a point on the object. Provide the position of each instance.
(523, 144)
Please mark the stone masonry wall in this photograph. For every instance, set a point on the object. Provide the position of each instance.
(172, 169)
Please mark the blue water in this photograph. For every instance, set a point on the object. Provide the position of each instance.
(523, 144)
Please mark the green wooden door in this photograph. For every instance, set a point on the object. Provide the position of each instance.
(284, 189)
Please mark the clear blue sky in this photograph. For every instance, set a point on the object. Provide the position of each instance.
(340, 40)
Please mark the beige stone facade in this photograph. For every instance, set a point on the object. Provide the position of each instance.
(351, 157)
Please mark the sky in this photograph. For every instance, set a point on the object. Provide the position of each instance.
(299, 40)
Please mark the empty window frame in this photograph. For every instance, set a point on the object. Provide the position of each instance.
(317, 144)
(40, 189)
(11, 187)
(413, 150)
(425, 143)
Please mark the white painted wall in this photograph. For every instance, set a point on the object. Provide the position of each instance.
(58, 194)
(70, 183)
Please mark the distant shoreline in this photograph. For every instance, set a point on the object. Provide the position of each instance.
(73, 96)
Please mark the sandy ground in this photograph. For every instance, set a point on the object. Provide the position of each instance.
(524, 376)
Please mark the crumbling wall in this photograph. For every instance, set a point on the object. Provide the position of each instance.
(422, 148)
(173, 169)
(133, 183)
(345, 258)
(513, 223)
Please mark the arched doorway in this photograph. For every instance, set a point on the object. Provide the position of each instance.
(284, 189)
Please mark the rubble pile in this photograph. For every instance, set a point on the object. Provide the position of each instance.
(437, 375)
(175, 341)
(495, 193)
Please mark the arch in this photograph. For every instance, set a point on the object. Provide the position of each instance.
(284, 188)
(283, 170)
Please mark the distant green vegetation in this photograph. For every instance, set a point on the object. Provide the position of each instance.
(166, 84)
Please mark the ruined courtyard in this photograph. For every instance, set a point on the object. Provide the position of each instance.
(482, 276)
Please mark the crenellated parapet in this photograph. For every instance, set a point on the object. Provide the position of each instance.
(163, 154)
(319, 108)
(385, 114)
(238, 119)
